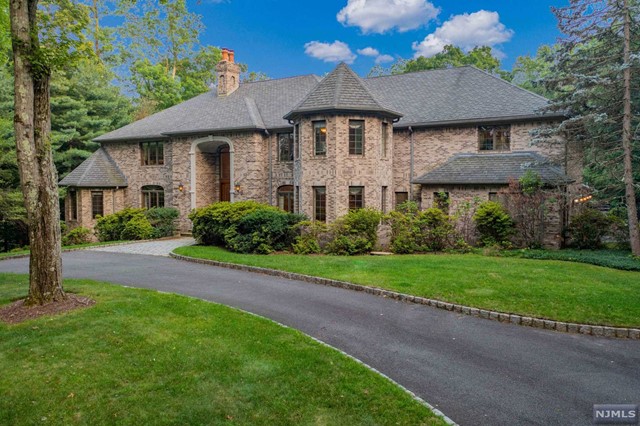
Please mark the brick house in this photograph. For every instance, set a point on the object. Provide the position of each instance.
(321, 146)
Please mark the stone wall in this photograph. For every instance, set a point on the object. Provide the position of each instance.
(113, 200)
(338, 170)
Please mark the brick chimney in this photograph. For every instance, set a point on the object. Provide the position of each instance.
(228, 73)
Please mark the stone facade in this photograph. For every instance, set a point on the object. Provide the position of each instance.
(190, 175)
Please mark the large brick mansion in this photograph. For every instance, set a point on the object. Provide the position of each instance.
(321, 146)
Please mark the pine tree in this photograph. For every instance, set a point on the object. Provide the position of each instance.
(596, 81)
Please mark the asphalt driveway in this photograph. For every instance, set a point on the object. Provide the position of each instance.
(477, 372)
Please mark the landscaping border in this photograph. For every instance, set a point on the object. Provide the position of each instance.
(566, 327)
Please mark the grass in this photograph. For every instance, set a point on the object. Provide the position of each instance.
(617, 259)
(562, 291)
(143, 357)
(69, 247)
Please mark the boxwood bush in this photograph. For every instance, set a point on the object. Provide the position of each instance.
(163, 221)
(493, 223)
(211, 222)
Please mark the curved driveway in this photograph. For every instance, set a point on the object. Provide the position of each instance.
(477, 372)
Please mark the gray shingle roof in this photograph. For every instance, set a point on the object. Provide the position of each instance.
(340, 90)
(97, 171)
(454, 95)
(493, 169)
(257, 105)
(427, 98)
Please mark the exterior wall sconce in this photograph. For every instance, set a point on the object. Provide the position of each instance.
(181, 187)
(237, 188)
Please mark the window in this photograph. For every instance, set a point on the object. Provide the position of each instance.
(97, 204)
(494, 138)
(401, 197)
(356, 137)
(383, 203)
(356, 197)
(73, 204)
(285, 147)
(320, 203)
(285, 198)
(493, 196)
(385, 135)
(296, 141)
(320, 137)
(441, 201)
(152, 196)
(152, 153)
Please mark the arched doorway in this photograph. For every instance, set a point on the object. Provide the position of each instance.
(212, 171)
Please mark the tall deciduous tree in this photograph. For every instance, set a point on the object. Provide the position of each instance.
(38, 177)
(37, 51)
(452, 56)
(596, 82)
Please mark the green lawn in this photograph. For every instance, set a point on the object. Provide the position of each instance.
(563, 291)
(143, 357)
(70, 247)
(618, 259)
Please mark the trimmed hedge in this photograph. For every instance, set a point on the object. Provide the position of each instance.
(245, 227)
(137, 224)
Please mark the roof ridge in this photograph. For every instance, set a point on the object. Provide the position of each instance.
(254, 112)
(277, 79)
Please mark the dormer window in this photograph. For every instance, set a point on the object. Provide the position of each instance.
(494, 138)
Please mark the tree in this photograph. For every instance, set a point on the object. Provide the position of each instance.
(529, 72)
(37, 51)
(452, 56)
(597, 81)
(84, 105)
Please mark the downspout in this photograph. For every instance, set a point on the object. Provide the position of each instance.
(410, 163)
(266, 132)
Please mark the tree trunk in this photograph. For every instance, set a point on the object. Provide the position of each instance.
(96, 29)
(38, 177)
(630, 194)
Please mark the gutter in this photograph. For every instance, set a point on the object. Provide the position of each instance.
(410, 163)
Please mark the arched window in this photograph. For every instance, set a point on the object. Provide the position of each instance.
(285, 198)
(152, 196)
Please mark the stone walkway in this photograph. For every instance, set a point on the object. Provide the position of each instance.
(149, 248)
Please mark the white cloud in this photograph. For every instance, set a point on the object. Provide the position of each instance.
(330, 52)
(378, 16)
(384, 58)
(482, 28)
(368, 51)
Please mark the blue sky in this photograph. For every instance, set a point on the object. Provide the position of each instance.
(292, 37)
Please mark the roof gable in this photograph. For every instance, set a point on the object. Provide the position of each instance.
(340, 90)
(97, 171)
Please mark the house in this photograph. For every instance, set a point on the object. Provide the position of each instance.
(322, 146)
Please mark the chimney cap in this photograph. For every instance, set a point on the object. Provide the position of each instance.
(225, 54)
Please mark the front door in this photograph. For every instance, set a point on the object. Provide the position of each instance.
(225, 174)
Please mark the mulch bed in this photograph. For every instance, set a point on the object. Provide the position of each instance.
(17, 312)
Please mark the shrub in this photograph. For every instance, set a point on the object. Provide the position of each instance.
(111, 227)
(587, 229)
(138, 228)
(211, 222)
(79, 235)
(423, 231)
(493, 223)
(354, 233)
(163, 221)
(263, 231)
(312, 238)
